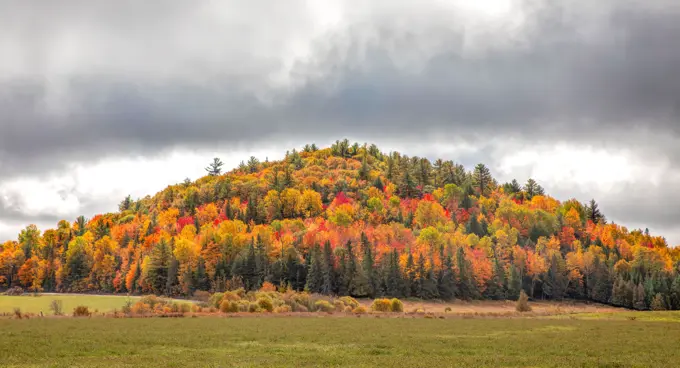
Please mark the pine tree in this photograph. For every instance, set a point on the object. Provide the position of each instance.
(368, 265)
(482, 179)
(315, 277)
(157, 273)
(329, 272)
(639, 296)
(514, 284)
(465, 285)
(447, 280)
(411, 272)
(215, 167)
(394, 284)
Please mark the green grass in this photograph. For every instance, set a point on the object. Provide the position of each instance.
(331, 341)
(35, 304)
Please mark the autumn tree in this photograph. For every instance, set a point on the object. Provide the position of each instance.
(215, 167)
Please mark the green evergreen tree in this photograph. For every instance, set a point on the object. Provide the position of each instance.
(315, 277)
(157, 273)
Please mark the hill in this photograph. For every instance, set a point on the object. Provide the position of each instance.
(351, 220)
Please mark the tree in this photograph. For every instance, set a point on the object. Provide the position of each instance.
(531, 188)
(215, 167)
(523, 303)
(329, 285)
(482, 179)
(593, 213)
(315, 276)
(157, 273)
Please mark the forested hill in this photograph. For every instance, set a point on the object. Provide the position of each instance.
(351, 219)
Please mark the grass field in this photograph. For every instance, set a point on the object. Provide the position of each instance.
(596, 341)
(35, 304)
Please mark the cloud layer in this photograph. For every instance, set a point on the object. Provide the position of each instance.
(89, 81)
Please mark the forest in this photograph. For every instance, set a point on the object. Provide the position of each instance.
(351, 220)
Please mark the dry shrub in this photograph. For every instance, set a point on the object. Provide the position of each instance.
(349, 301)
(348, 309)
(151, 300)
(381, 305)
(81, 311)
(141, 308)
(339, 306)
(202, 296)
(231, 296)
(57, 307)
(359, 310)
(523, 303)
(285, 308)
(243, 305)
(15, 291)
(447, 309)
(216, 299)
(228, 306)
(324, 306)
(268, 286)
(396, 305)
(265, 303)
(254, 307)
(195, 308)
(17, 313)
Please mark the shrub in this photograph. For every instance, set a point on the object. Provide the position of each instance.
(151, 300)
(349, 301)
(231, 295)
(216, 299)
(658, 303)
(396, 305)
(359, 310)
(17, 313)
(243, 305)
(195, 308)
(15, 291)
(229, 307)
(81, 311)
(184, 308)
(141, 308)
(339, 306)
(324, 306)
(447, 309)
(285, 308)
(381, 305)
(57, 307)
(268, 286)
(254, 307)
(523, 303)
(299, 308)
(265, 303)
(127, 307)
(201, 295)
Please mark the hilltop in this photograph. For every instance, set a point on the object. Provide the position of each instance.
(351, 220)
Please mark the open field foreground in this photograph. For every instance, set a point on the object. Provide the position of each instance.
(327, 341)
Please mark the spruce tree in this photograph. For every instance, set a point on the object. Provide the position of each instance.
(329, 273)
(315, 277)
(157, 273)
(447, 281)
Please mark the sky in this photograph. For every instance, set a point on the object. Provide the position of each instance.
(100, 98)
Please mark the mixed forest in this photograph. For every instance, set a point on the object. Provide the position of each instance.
(351, 220)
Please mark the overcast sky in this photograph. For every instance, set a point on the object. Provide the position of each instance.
(102, 98)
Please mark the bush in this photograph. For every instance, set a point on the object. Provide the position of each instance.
(231, 296)
(127, 307)
(348, 309)
(202, 296)
(17, 313)
(216, 299)
(243, 305)
(57, 307)
(381, 305)
(396, 305)
(151, 300)
(229, 307)
(447, 309)
(523, 303)
(265, 303)
(359, 310)
(324, 306)
(141, 308)
(283, 309)
(254, 307)
(184, 308)
(658, 303)
(349, 301)
(268, 286)
(81, 311)
(339, 306)
(15, 291)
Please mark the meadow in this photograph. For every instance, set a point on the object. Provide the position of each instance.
(28, 303)
(365, 341)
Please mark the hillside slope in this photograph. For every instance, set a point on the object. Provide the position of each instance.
(353, 220)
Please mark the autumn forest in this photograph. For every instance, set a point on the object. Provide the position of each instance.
(351, 220)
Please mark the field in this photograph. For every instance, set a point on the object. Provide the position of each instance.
(328, 341)
(36, 304)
